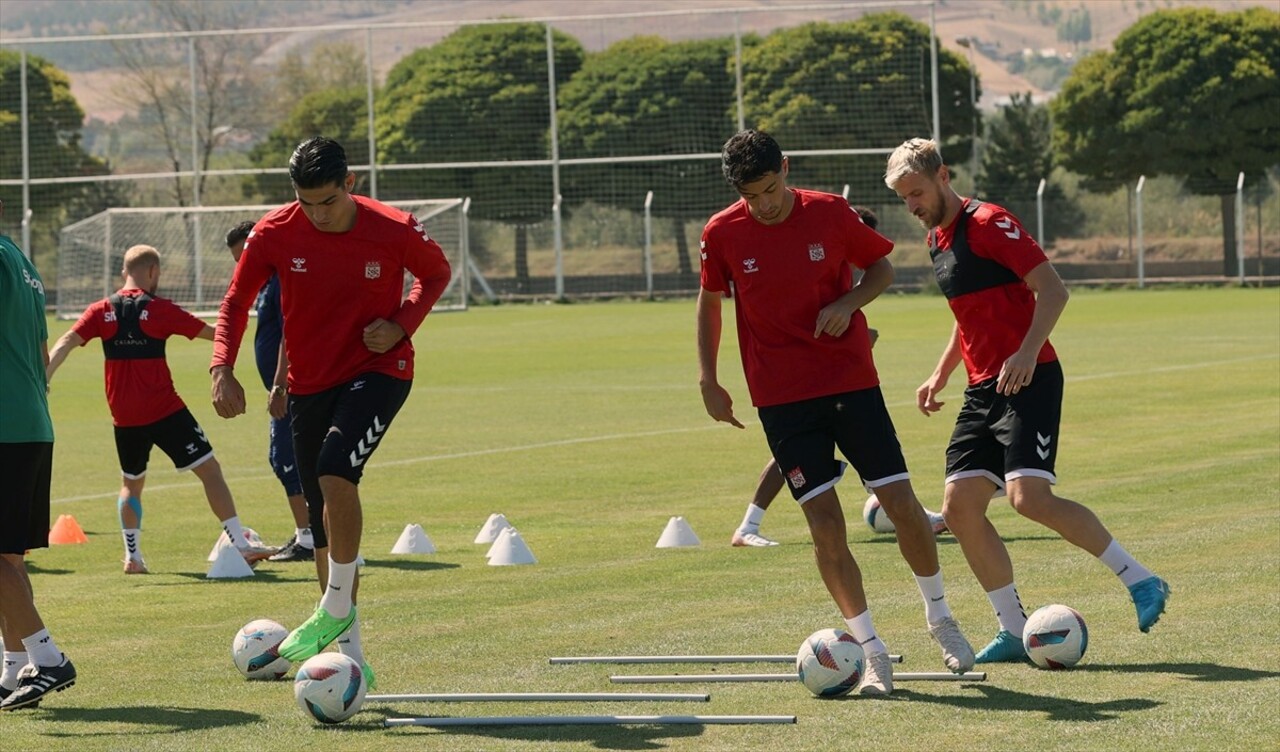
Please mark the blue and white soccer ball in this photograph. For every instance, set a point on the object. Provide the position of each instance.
(1055, 637)
(330, 687)
(875, 517)
(830, 662)
(255, 650)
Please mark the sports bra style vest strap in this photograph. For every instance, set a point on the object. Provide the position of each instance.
(130, 343)
(960, 271)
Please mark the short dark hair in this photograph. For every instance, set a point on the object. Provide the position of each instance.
(239, 233)
(749, 156)
(318, 162)
(869, 217)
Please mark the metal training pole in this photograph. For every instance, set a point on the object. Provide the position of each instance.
(541, 697)
(685, 659)
(590, 720)
(700, 678)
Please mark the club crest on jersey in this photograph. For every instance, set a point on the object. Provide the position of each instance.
(797, 478)
(299, 265)
(372, 270)
(817, 252)
(749, 266)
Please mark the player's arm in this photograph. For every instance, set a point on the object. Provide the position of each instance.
(277, 399)
(205, 333)
(710, 325)
(425, 260)
(927, 394)
(61, 349)
(834, 317)
(252, 272)
(1051, 300)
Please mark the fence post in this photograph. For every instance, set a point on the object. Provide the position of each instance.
(648, 244)
(1141, 245)
(559, 240)
(368, 98)
(555, 162)
(1040, 214)
(1240, 226)
(845, 192)
(26, 158)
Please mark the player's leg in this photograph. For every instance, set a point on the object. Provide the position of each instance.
(133, 448)
(301, 546)
(767, 489)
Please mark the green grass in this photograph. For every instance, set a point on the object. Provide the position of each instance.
(583, 425)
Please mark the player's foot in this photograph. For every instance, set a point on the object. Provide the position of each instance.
(1005, 648)
(294, 551)
(957, 653)
(34, 682)
(751, 539)
(1149, 597)
(4, 693)
(135, 566)
(315, 634)
(877, 675)
(254, 553)
(370, 679)
(937, 522)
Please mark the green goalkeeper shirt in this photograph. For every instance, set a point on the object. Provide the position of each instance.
(24, 407)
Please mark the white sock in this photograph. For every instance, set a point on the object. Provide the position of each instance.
(1009, 611)
(337, 596)
(13, 663)
(349, 642)
(303, 535)
(862, 630)
(1125, 566)
(231, 526)
(132, 543)
(42, 650)
(935, 602)
(751, 522)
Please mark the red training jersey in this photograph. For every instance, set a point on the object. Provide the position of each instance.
(333, 285)
(782, 276)
(139, 391)
(993, 321)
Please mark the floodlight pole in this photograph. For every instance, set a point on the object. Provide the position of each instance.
(1240, 226)
(1040, 213)
(648, 243)
(1142, 249)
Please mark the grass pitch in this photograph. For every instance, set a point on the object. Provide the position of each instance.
(583, 425)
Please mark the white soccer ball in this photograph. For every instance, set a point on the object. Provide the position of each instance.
(255, 650)
(1055, 637)
(330, 687)
(830, 662)
(875, 517)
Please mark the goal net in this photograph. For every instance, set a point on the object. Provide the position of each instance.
(197, 265)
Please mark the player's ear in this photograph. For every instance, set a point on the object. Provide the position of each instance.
(944, 175)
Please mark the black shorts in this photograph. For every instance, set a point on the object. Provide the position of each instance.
(1001, 437)
(336, 431)
(804, 436)
(24, 511)
(178, 435)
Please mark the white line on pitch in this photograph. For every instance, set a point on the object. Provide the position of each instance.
(699, 678)
(541, 697)
(685, 659)
(589, 720)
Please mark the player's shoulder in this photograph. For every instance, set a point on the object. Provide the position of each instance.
(821, 198)
(733, 214)
(383, 213)
(985, 212)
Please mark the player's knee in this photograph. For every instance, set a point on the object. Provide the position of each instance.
(1031, 503)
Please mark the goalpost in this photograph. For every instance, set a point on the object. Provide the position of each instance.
(197, 265)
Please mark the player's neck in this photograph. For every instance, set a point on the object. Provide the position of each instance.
(955, 205)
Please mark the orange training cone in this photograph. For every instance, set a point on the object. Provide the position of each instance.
(67, 530)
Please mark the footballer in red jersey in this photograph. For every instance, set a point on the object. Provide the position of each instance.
(1006, 298)
(341, 260)
(787, 256)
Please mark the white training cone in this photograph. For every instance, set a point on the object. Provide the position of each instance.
(508, 530)
(223, 541)
(677, 534)
(229, 564)
(510, 548)
(413, 540)
(492, 526)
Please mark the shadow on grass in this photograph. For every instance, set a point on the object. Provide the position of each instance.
(947, 540)
(144, 719)
(1204, 672)
(1055, 708)
(33, 568)
(628, 737)
(409, 565)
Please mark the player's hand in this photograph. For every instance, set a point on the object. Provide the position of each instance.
(382, 335)
(833, 319)
(227, 394)
(1016, 373)
(278, 403)
(927, 395)
(719, 404)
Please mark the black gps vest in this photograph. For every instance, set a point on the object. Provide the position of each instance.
(960, 271)
(130, 342)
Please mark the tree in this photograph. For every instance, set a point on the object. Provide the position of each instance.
(1189, 92)
(477, 94)
(340, 114)
(1077, 27)
(1017, 157)
(643, 96)
(53, 133)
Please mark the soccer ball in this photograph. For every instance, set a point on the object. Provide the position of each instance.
(255, 647)
(1055, 637)
(330, 687)
(830, 662)
(875, 517)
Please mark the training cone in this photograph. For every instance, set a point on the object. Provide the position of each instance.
(492, 526)
(413, 540)
(510, 548)
(67, 530)
(677, 535)
(229, 565)
(223, 541)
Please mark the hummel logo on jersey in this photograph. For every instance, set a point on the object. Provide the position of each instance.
(817, 252)
(1043, 448)
(364, 447)
(749, 266)
(299, 265)
(372, 270)
(287, 468)
(418, 226)
(1005, 224)
(191, 448)
(357, 385)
